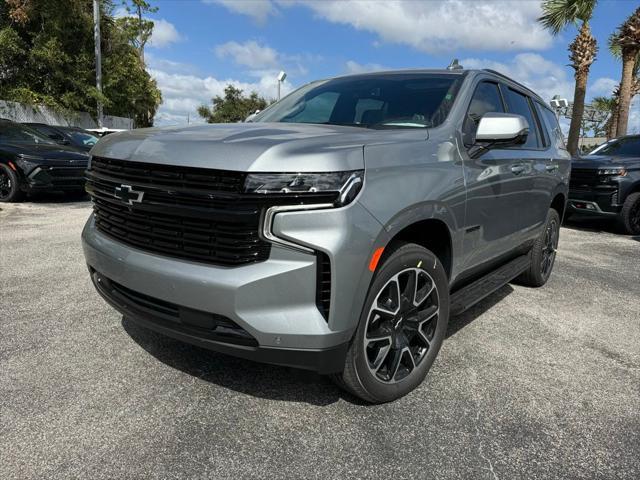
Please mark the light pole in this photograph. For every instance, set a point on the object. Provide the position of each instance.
(558, 104)
(96, 40)
(281, 76)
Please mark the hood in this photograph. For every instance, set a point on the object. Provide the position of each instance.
(46, 151)
(259, 147)
(604, 161)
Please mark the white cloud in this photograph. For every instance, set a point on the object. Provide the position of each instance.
(352, 66)
(164, 34)
(429, 26)
(182, 94)
(603, 86)
(259, 10)
(250, 54)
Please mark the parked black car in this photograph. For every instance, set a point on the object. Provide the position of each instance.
(606, 183)
(30, 161)
(74, 136)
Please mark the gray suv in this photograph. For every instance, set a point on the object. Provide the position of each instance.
(339, 229)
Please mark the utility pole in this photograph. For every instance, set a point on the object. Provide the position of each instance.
(281, 76)
(98, 53)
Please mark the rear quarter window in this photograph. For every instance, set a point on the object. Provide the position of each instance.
(551, 125)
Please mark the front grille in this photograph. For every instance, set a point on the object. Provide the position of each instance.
(323, 287)
(189, 213)
(582, 178)
(167, 314)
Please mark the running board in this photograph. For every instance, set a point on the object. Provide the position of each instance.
(468, 296)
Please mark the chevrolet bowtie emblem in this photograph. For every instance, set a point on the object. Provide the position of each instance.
(128, 194)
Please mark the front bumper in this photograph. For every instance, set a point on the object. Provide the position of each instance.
(273, 301)
(45, 177)
(596, 201)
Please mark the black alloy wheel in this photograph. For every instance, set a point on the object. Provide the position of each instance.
(550, 246)
(401, 325)
(9, 186)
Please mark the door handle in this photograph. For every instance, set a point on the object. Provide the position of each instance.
(517, 169)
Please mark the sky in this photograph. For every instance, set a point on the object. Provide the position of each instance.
(200, 46)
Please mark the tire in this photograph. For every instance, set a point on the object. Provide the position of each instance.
(630, 214)
(388, 368)
(543, 253)
(9, 185)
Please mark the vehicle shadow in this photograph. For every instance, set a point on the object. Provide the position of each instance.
(591, 224)
(259, 380)
(458, 322)
(57, 197)
(262, 380)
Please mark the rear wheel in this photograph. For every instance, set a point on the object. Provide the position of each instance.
(9, 185)
(630, 214)
(543, 253)
(401, 328)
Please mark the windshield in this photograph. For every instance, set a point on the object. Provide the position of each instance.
(11, 132)
(620, 147)
(406, 100)
(82, 138)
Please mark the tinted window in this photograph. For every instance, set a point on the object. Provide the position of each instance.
(552, 126)
(82, 138)
(485, 99)
(11, 132)
(49, 132)
(378, 101)
(520, 105)
(620, 147)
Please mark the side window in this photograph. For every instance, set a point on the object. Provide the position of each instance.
(519, 104)
(552, 126)
(485, 99)
(316, 110)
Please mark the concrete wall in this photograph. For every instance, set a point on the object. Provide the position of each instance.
(19, 112)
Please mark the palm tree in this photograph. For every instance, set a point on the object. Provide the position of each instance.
(627, 42)
(556, 16)
(608, 105)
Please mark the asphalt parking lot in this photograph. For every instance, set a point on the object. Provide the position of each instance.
(531, 383)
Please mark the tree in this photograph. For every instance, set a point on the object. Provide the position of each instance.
(47, 57)
(627, 41)
(608, 106)
(139, 28)
(557, 15)
(233, 107)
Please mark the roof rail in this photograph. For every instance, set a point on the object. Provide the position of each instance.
(495, 72)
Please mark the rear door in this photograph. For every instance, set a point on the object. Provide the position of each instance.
(532, 190)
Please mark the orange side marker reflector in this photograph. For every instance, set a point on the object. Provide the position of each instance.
(375, 258)
(13, 167)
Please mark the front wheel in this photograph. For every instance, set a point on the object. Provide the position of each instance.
(630, 214)
(402, 326)
(9, 185)
(543, 253)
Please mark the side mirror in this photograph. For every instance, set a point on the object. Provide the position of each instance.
(502, 128)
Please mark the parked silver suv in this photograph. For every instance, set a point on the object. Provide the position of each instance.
(337, 231)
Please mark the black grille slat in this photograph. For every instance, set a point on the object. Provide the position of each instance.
(583, 177)
(191, 213)
(323, 287)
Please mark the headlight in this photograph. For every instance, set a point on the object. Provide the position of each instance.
(342, 187)
(28, 162)
(618, 172)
